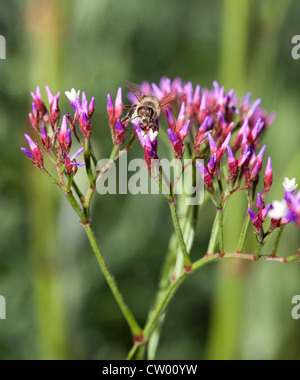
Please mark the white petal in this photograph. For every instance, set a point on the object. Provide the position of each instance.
(279, 210)
(152, 135)
(290, 185)
(73, 94)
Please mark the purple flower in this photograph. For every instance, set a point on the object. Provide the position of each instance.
(71, 166)
(64, 136)
(35, 154)
(119, 133)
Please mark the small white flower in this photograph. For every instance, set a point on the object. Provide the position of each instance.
(290, 185)
(152, 135)
(73, 95)
(279, 210)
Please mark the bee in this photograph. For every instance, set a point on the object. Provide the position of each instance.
(148, 108)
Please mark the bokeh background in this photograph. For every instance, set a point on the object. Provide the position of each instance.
(58, 304)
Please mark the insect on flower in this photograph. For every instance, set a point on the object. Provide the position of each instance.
(148, 108)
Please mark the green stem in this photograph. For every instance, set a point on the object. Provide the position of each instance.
(276, 245)
(242, 239)
(221, 230)
(163, 304)
(187, 260)
(258, 250)
(134, 327)
(87, 159)
(214, 236)
(132, 352)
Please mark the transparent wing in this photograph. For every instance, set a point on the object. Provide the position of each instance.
(171, 97)
(135, 89)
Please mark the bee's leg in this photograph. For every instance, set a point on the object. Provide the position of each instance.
(125, 119)
(128, 107)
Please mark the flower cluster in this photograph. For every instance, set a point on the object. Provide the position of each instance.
(56, 133)
(218, 127)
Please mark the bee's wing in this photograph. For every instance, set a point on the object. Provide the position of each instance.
(135, 89)
(170, 98)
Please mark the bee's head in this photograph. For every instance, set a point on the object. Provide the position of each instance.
(145, 113)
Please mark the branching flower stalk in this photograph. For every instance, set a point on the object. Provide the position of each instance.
(222, 134)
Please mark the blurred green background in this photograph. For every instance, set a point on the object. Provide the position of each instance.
(58, 304)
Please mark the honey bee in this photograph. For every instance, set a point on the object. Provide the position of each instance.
(148, 108)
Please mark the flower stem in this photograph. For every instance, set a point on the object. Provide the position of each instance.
(276, 245)
(187, 260)
(134, 327)
(87, 159)
(221, 230)
(214, 236)
(242, 239)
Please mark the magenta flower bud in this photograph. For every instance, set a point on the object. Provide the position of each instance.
(232, 164)
(188, 89)
(239, 136)
(91, 108)
(49, 95)
(46, 141)
(203, 111)
(212, 165)
(229, 129)
(257, 223)
(176, 143)
(254, 107)
(197, 99)
(207, 178)
(85, 125)
(246, 156)
(259, 202)
(221, 121)
(212, 145)
(35, 111)
(71, 166)
(181, 118)
(223, 147)
(254, 172)
(55, 113)
(184, 130)
(110, 110)
(264, 212)
(118, 104)
(64, 136)
(35, 155)
(268, 180)
(37, 98)
(170, 120)
(34, 122)
(119, 133)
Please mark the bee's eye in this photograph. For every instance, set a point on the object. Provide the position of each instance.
(151, 112)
